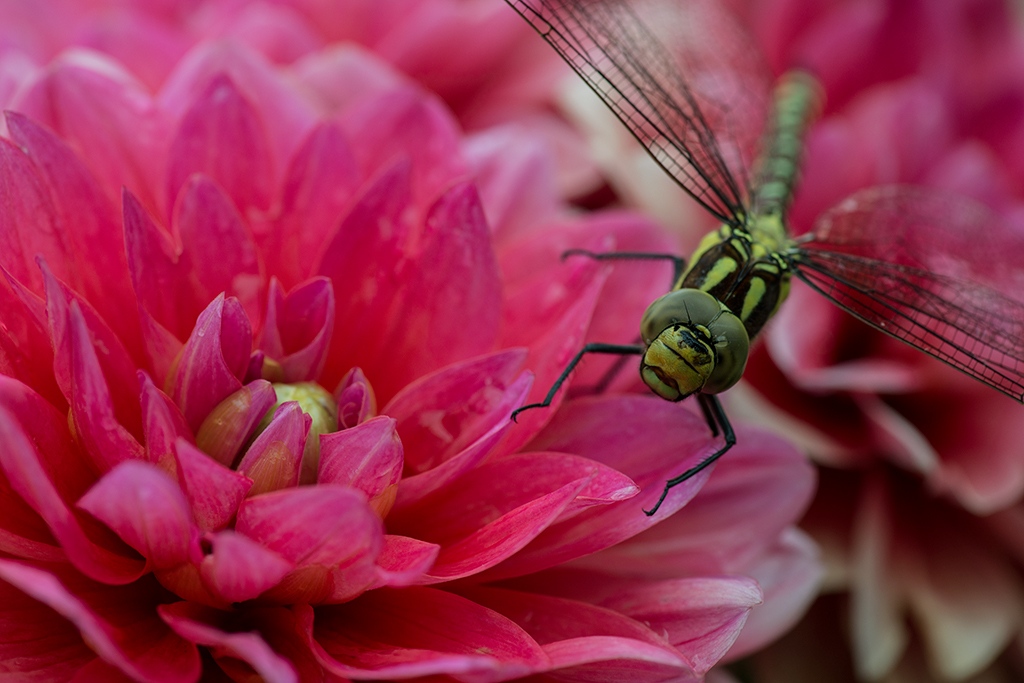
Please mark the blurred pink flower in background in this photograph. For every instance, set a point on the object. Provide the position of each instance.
(922, 469)
(266, 309)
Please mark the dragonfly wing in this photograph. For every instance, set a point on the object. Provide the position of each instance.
(928, 268)
(614, 52)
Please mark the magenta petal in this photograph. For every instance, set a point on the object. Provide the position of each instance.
(274, 458)
(163, 424)
(367, 457)
(320, 183)
(327, 531)
(403, 633)
(189, 620)
(214, 492)
(209, 224)
(239, 569)
(213, 361)
(142, 650)
(298, 328)
(25, 351)
(700, 616)
(222, 136)
(356, 401)
(26, 460)
(404, 561)
(145, 507)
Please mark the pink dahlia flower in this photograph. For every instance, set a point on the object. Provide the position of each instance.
(919, 512)
(262, 330)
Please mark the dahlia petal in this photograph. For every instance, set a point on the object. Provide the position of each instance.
(25, 351)
(298, 328)
(88, 220)
(356, 399)
(213, 361)
(272, 462)
(90, 101)
(145, 507)
(403, 633)
(702, 617)
(343, 74)
(190, 621)
(469, 397)
(214, 492)
(286, 117)
(327, 531)
(230, 424)
(367, 457)
(278, 32)
(209, 224)
(459, 291)
(574, 634)
(405, 122)
(97, 423)
(223, 137)
(144, 649)
(790, 576)
(321, 181)
(404, 561)
(377, 223)
(26, 469)
(239, 569)
(163, 424)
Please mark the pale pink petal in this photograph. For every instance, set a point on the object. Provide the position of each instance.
(143, 649)
(320, 183)
(222, 136)
(214, 492)
(272, 461)
(192, 622)
(402, 633)
(327, 531)
(145, 507)
(279, 32)
(298, 328)
(404, 561)
(343, 74)
(367, 457)
(213, 361)
(238, 569)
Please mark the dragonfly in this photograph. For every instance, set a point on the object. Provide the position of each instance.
(906, 260)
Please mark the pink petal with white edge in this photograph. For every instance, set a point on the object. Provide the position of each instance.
(89, 222)
(367, 457)
(223, 136)
(298, 328)
(238, 569)
(444, 413)
(702, 617)
(576, 635)
(790, 575)
(142, 649)
(26, 469)
(145, 507)
(319, 185)
(328, 532)
(402, 633)
(191, 621)
(404, 561)
(754, 495)
(213, 361)
(273, 460)
(214, 491)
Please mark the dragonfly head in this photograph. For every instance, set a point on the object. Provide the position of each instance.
(694, 343)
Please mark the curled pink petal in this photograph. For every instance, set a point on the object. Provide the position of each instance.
(238, 569)
(273, 460)
(356, 401)
(298, 329)
(214, 492)
(405, 561)
(163, 424)
(367, 457)
(234, 420)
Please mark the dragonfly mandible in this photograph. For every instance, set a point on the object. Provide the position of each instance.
(903, 259)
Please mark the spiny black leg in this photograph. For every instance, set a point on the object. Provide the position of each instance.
(631, 350)
(715, 415)
(678, 264)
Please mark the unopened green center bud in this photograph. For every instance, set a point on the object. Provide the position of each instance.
(320, 405)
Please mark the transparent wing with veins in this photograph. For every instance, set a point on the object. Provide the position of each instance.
(611, 49)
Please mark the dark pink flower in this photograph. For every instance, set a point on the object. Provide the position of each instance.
(263, 328)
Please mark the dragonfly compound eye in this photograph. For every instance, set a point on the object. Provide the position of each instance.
(694, 343)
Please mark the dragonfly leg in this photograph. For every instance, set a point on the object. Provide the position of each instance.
(717, 420)
(678, 263)
(619, 349)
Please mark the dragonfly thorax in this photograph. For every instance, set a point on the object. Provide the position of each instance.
(742, 269)
(693, 343)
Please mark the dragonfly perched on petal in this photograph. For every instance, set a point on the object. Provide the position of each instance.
(904, 259)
